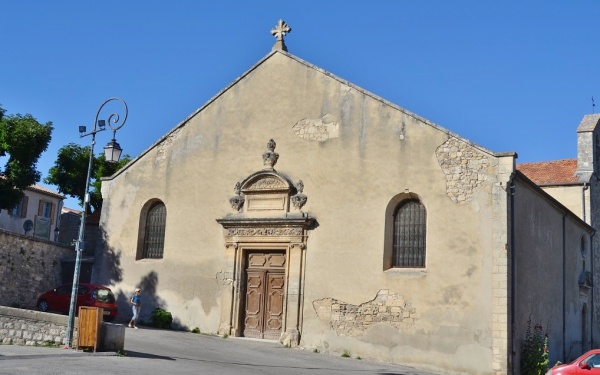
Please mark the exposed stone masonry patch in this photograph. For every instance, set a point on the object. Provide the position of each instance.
(465, 168)
(165, 144)
(351, 320)
(317, 129)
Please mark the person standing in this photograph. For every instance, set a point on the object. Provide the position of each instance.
(136, 303)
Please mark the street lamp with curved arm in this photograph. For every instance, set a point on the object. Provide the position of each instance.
(112, 153)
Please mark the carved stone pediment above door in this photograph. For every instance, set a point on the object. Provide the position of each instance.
(265, 244)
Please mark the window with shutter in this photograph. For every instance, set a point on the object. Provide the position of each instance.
(47, 209)
(20, 209)
(17, 210)
(24, 204)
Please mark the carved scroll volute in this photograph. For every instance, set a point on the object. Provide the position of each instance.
(270, 156)
(237, 201)
(298, 245)
(299, 200)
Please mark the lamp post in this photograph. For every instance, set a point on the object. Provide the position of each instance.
(112, 152)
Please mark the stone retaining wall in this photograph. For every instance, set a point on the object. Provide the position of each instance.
(28, 267)
(26, 327)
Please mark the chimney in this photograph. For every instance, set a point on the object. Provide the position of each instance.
(588, 147)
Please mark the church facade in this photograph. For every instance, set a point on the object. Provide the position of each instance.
(299, 207)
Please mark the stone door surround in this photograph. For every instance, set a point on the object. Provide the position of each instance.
(267, 216)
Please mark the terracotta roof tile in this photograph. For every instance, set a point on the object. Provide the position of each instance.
(65, 210)
(44, 189)
(550, 172)
(40, 189)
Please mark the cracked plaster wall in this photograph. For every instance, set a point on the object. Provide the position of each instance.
(351, 320)
(162, 148)
(317, 129)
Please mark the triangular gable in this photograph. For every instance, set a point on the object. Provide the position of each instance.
(322, 71)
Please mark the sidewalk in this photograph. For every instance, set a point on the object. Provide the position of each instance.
(152, 351)
(42, 351)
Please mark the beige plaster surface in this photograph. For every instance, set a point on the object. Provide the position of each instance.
(367, 152)
(553, 297)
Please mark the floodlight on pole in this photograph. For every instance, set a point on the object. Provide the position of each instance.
(112, 152)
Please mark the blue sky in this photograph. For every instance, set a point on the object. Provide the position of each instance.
(508, 75)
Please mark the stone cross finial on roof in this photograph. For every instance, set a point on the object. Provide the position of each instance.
(279, 32)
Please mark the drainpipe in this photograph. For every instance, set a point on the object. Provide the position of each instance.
(564, 296)
(583, 189)
(593, 288)
(513, 276)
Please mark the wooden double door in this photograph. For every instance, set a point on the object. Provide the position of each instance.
(264, 294)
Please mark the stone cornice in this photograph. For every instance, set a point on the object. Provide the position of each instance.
(232, 221)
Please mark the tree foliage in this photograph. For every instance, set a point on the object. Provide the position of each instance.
(22, 140)
(534, 351)
(69, 173)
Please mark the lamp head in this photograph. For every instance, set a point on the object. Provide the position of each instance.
(112, 151)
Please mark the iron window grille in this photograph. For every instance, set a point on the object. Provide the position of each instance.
(154, 239)
(410, 228)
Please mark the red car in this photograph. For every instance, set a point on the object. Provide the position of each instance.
(59, 299)
(588, 364)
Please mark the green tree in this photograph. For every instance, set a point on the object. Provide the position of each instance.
(69, 173)
(22, 140)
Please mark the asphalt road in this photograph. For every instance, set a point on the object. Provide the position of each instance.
(149, 351)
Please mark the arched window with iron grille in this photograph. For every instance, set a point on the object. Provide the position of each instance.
(152, 231)
(410, 229)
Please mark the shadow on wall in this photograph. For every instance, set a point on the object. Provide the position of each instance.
(108, 264)
(150, 301)
(109, 272)
(150, 298)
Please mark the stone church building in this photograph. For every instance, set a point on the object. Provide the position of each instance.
(298, 207)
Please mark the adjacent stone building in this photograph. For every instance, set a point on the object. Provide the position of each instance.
(297, 206)
(573, 183)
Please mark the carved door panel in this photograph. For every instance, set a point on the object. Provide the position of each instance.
(253, 321)
(264, 297)
(274, 306)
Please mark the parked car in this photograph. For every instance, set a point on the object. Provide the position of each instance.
(588, 364)
(59, 299)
